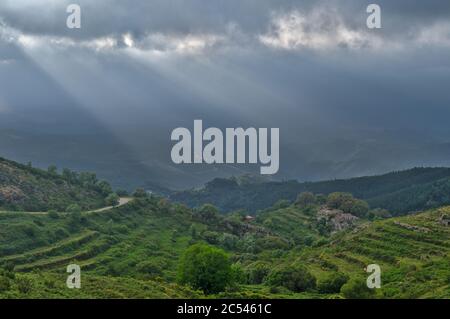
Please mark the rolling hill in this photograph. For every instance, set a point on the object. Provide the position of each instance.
(25, 188)
(399, 192)
(133, 251)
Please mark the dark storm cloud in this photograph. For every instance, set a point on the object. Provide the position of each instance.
(103, 17)
(348, 100)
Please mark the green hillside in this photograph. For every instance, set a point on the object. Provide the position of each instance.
(399, 192)
(135, 251)
(24, 188)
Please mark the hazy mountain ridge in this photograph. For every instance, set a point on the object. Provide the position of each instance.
(400, 192)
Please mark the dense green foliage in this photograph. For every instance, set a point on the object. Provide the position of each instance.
(24, 188)
(206, 268)
(140, 250)
(313, 247)
(296, 278)
(399, 192)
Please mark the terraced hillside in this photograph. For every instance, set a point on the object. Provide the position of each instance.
(134, 251)
(413, 252)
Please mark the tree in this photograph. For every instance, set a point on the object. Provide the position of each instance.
(73, 208)
(356, 288)
(112, 199)
(69, 176)
(379, 213)
(139, 193)
(151, 267)
(104, 188)
(122, 192)
(296, 278)
(5, 283)
(359, 208)
(332, 283)
(75, 217)
(304, 199)
(24, 284)
(321, 199)
(87, 178)
(336, 200)
(348, 204)
(52, 170)
(258, 272)
(208, 213)
(206, 268)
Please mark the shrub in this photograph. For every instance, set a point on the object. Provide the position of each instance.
(332, 283)
(304, 199)
(53, 214)
(206, 268)
(282, 203)
(112, 199)
(151, 267)
(24, 285)
(5, 284)
(139, 193)
(237, 274)
(208, 213)
(348, 204)
(336, 200)
(73, 208)
(296, 278)
(121, 192)
(356, 288)
(258, 272)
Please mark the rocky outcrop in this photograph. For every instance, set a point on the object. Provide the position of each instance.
(444, 220)
(336, 219)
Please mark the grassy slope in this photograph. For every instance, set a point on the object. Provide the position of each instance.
(415, 262)
(30, 189)
(112, 249)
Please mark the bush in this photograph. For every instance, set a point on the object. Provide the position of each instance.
(74, 208)
(151, 267)
(140, 193)
(5, 284)
(304, 199)
(282, 203)
(112, 199)
(24, 285)
(332, 283)
(121, 192)
(336, 200)
(356, 288)
(206, 268)
(348, 204)
(257, 272)
(237, 274)
(207, 213)
(53, 214)
(295, 278)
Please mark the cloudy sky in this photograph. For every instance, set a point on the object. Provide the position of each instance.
(348, 100)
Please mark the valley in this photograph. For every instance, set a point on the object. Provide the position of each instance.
(315, 246)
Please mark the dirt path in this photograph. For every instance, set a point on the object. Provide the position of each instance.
(122, 201)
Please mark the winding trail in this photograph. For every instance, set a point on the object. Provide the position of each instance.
(122, 201)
